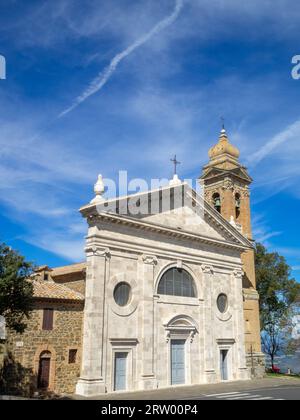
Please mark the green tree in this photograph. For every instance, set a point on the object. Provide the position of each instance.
(278, 294)
(16, 292)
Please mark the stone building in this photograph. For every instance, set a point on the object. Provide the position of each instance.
(47, 356)
(170, 293)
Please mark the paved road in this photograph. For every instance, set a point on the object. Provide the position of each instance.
(264, 389)
(267, 394)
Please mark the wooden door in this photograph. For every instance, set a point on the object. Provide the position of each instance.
(44, 373)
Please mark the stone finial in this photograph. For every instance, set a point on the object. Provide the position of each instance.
(99, 189)
(175, 181)
(232, 221)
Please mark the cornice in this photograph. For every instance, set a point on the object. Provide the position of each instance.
(171, 232)
(250, 294)
(120, 246)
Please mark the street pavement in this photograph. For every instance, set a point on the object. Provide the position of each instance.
(268, 389)
(278, 394)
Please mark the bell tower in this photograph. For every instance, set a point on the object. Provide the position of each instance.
(227, 188)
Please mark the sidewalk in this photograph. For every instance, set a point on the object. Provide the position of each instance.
(190, 392)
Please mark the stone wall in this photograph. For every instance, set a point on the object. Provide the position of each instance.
(25, 349)
(76, 284)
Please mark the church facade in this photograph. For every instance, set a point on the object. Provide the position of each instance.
(170, 296)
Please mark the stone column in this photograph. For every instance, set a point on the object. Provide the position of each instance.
(146, 273)
(91, 381)
(209, 338)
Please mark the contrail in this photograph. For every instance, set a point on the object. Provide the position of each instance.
(97, 84)
(290, 133)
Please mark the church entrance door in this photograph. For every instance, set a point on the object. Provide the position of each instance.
(224, 365)
(121, 371)
(178, 362)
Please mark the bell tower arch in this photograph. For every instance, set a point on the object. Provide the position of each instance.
(227, 188)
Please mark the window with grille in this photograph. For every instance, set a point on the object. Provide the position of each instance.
(177, 282)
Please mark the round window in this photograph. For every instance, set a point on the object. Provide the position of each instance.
(122, 294)
(222, 303)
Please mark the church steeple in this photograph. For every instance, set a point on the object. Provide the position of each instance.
(226, 187)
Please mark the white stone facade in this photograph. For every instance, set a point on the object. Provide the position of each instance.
(138, 253)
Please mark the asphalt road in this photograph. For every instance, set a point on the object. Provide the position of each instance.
(268, 389)
(261, 394)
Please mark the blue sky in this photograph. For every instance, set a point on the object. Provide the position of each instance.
(216, 58)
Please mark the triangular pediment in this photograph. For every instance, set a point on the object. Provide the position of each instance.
(238, 172)
(187, 220)
(187, 214)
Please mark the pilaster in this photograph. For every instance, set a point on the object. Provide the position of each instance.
(91, 382)
(147, 265)
(209, 336)
(237, 286)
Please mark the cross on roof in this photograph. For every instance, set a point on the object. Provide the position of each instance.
(176, 163)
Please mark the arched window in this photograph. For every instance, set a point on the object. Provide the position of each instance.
(237, 206)
(177, 282)
(217, 202)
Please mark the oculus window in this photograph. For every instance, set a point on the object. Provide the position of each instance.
(222, 303)
(122, 294)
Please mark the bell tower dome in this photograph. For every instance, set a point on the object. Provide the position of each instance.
(227, 188)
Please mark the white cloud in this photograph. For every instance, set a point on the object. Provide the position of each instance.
(289, 134)
(72, 248)
(261, 232)
(52, 23)
(290, 251)
(99, 82)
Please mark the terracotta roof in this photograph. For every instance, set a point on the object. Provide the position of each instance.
(42, 268)
(69, 269)
(51, 290)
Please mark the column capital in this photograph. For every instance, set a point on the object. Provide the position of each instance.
(96, 251)
(207, 269)
(228, 184)
(149, 259)
(238, 273)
